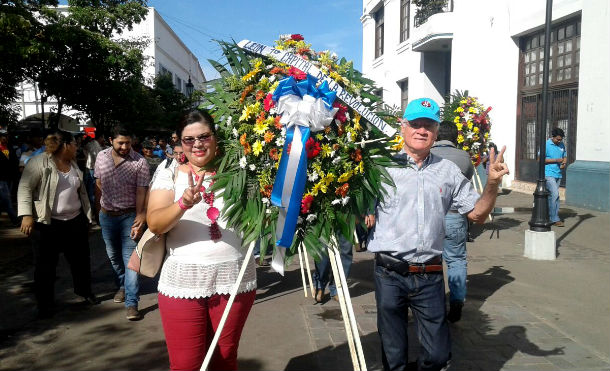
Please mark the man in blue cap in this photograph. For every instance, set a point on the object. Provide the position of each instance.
(408, 234)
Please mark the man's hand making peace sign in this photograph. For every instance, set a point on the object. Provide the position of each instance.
(497, 169)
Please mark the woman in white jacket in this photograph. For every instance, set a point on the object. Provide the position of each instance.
(53, 202)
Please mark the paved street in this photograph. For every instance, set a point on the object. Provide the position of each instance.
(520, 314)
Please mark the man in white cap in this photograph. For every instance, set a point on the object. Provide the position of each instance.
(408, 234)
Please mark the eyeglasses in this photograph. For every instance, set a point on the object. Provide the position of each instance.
(203, 138)
(416, 124)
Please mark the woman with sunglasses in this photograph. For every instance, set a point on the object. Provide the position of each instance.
(55, 207)
(204, 257)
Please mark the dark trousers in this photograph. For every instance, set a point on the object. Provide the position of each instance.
(72, 238)
(425, 295)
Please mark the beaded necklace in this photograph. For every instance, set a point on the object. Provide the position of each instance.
(213, 213)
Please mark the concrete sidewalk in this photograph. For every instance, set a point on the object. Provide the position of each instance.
(520, 314)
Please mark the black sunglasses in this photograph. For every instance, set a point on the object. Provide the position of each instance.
(189, 141)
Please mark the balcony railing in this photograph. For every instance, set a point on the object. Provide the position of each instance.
(427, 8)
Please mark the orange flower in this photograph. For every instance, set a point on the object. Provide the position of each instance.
(327, 129)
(340, 129)
(245, 93)
(260, 94)
(275, 70)
(342, 191)
(247, 148)
(242, 139)
(269, 136)
(273, 154)
(336, 147)
(260, 118)
(277, 124)
(357, 155)
(266, 191)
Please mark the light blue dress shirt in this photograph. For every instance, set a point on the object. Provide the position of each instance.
(410, 222)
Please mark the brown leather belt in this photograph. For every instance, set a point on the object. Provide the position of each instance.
(434, 265)
(118, 212)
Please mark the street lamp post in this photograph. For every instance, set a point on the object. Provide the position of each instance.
(189, 88)
(540, 213)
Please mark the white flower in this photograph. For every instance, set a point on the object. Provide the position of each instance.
(366, 134)
(268, 211)
(272, 78)
(336, 201)
(345, 200)
(252, 167)
(336, 160)
(311, 217)
(229, 120)
(299, 220)
(243, 162)
(280, 141)
(349, 136)
(366, 100)
(469, 136)
(283, 132)
(235, 133)
(313, 176)
(265, 200)
(273, 110)
(332, 153)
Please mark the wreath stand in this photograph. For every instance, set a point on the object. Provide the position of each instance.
(345, 302)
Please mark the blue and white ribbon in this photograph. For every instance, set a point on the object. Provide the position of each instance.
(305, 108)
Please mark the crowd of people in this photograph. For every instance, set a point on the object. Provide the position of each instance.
(126, 185)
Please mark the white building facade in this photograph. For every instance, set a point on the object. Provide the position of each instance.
(164, 53)
(494, 49)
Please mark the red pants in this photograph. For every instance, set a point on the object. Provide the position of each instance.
(190, 324)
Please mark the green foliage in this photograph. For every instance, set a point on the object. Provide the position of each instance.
(427, 8)
(246, 80)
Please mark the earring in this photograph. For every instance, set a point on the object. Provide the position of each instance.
(182, 158)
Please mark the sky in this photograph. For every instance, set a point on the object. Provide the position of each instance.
(333, 24)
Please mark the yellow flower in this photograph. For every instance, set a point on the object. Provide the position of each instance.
(329, 178)
(356, 121)
(272, 88)
(463, 101)
(319, 136)
(335, 76)
(315, 189)
(257, 148)
(399, 143)
(459, 126)
(460, 138)
(250, 75)
(345, 176)
(457, 119)
(471, 110)
(326, 150)
(470, 125)
(360, 168)
(475, 129)
(250, 111)
(486, 135)
(261, 127)
(459, 109)
(465, 148)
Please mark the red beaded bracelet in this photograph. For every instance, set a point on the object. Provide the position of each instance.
(182, 205)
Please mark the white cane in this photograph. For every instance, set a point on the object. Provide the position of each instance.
(302, 270)
(225, 314)
(311, 288)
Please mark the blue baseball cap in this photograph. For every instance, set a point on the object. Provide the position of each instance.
(422, 108)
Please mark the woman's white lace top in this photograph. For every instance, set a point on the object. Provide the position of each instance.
(195, 265)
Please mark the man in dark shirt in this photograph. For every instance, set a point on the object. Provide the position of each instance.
(456, 224)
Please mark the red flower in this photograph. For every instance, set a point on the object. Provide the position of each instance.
(297, 73)
(312, 147)
(297, 37)
(306, 204)
(269, 102)
(340, 115)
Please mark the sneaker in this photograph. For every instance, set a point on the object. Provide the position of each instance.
(119, 297)
(558, 224)
(455, 311)
(133, 314)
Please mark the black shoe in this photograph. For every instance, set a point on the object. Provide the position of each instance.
(91, 299)
(455, 311)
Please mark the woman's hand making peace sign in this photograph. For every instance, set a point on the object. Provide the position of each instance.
(192, 194)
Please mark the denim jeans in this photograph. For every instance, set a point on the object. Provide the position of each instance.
(5, 201)
(323, 273)
(454, 254)
(89, 180)
(425, 295)
(552, 185)
(116, 231)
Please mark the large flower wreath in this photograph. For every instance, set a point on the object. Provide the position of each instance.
(345, 161)
(473, 124)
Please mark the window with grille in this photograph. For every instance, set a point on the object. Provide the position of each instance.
(564, 54)
(404, 19)
(379, 33)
